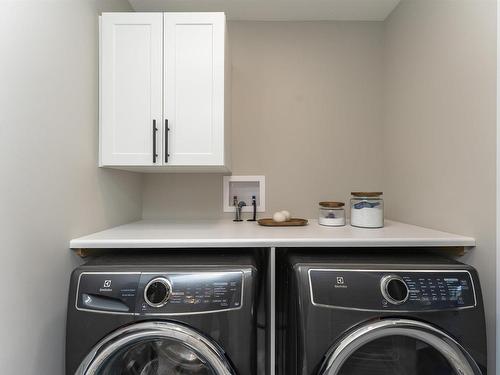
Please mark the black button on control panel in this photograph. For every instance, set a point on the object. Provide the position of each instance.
(392, 290)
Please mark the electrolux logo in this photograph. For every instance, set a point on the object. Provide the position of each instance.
(106, 286)
(340, 283)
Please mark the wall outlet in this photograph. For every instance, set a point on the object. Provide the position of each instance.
(244, 187)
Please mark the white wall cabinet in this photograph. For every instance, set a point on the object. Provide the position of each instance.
(131, 53)
(162, 92)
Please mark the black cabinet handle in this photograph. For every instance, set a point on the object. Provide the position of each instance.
(165, 137)
(155, 130)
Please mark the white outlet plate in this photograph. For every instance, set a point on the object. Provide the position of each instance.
(244, 187)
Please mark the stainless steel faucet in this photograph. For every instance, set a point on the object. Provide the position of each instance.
(238, 207)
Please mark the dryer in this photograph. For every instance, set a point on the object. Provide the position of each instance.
(169, 314)
(352, 314)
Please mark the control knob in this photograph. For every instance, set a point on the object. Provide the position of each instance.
(157, 292)
(394, 289)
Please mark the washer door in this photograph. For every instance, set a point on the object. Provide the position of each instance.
(398, 346)
(155, 348)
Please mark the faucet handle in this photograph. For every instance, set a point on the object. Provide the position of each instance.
(239, 206)
(254, 205)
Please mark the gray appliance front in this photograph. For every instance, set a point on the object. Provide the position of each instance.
(162, 346)
(392, 345)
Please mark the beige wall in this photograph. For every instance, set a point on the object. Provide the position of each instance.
(406, 106)
(50, 187)
(440, 125)
(306, 113)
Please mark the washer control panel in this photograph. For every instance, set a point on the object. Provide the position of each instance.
(179, 293)
(170, 293)
(392, 290)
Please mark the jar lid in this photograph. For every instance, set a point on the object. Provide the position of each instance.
(366, 194)
(331, 204)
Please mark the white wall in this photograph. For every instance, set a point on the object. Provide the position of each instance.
(440, 126)
(50, 187)
(306, 113)
(498, 192)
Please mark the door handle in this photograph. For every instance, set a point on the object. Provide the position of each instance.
(155, 130)
(165, 149)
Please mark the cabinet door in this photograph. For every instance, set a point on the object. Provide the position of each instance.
(131, 88)
(193, 101)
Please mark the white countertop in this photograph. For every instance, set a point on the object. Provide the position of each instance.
(226, 233)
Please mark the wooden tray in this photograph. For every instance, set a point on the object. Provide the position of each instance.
(293, 222)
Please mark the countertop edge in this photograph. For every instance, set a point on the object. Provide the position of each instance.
(275, 242)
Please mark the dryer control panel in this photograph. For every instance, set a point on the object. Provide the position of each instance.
(168, 293)
(392, 290)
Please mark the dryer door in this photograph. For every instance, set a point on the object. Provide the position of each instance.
(155, 348)
(398, 346)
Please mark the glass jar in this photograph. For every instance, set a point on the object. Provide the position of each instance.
(331, 214)
(367, 210)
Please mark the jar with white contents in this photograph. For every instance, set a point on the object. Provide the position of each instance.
(367, 210)
(331, 214)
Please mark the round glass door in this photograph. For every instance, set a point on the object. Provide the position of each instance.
(398, 347)
(396, 355)
(155, 348)
(156, 357)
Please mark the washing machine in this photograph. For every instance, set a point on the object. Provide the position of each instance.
(387, 314)
(169, 314)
